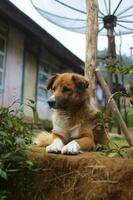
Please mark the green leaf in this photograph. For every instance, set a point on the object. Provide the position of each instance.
(116, 94)
(7, 155)
(99, 114)
(29, 162)
(31, 101)
(9, 123)
(3, 195)
(3, 174)
(20, 140)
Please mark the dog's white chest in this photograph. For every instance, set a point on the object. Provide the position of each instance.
(61, 124)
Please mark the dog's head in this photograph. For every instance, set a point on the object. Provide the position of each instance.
(69, 90)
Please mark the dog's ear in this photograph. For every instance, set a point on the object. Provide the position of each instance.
(51, 81)
(80, 82)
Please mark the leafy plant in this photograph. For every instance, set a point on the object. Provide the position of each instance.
(117, 67)
(3, 195)
(101, 121)
(15, 135)
(31, 104)
(116, 96)
(117, 147)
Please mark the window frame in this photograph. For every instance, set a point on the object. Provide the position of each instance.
(39, 85)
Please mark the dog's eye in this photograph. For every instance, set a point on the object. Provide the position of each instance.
(66, 89)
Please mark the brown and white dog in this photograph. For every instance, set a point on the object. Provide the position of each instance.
(72, 115)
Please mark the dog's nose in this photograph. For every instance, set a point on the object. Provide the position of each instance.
(51, 102)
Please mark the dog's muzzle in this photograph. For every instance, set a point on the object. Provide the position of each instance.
(56, 103)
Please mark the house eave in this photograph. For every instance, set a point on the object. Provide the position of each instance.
(11, 13)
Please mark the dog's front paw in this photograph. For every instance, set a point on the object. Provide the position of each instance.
(55, 147)
(71, 148)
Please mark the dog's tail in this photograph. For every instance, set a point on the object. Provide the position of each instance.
(43, 139)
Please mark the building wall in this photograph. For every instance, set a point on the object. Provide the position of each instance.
(55, 66)
(43, 110)
(30, 81)
(14, 63)
(17, 83)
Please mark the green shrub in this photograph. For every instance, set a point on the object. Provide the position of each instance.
(15, 135)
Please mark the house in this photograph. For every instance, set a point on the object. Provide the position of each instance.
(28, 56)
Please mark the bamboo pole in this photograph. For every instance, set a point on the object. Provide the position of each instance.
(114, 108)
(91, 43)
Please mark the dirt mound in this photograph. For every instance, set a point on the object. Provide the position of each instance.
(88, 176)
(85, 176)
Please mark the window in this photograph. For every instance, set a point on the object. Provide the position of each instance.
(2, 59)
(44, 71)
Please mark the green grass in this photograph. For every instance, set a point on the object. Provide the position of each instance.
(118, 147)
(129, 112)
(118, 141)
(130, 116)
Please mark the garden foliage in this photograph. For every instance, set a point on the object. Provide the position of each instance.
(15, 135)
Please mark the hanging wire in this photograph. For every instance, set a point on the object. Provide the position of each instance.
(101, 12)
(117, 7)
(126, 21)
(54, 15)
(100, 29)
(125, 16)
(125, 10)
(67, 20)
(125, 27)
(66, 5)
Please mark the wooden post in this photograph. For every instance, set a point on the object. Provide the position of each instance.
(91, 43)
(111, 54)
(114, 108)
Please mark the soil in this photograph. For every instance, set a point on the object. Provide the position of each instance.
(84, 177)
(88, 176)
